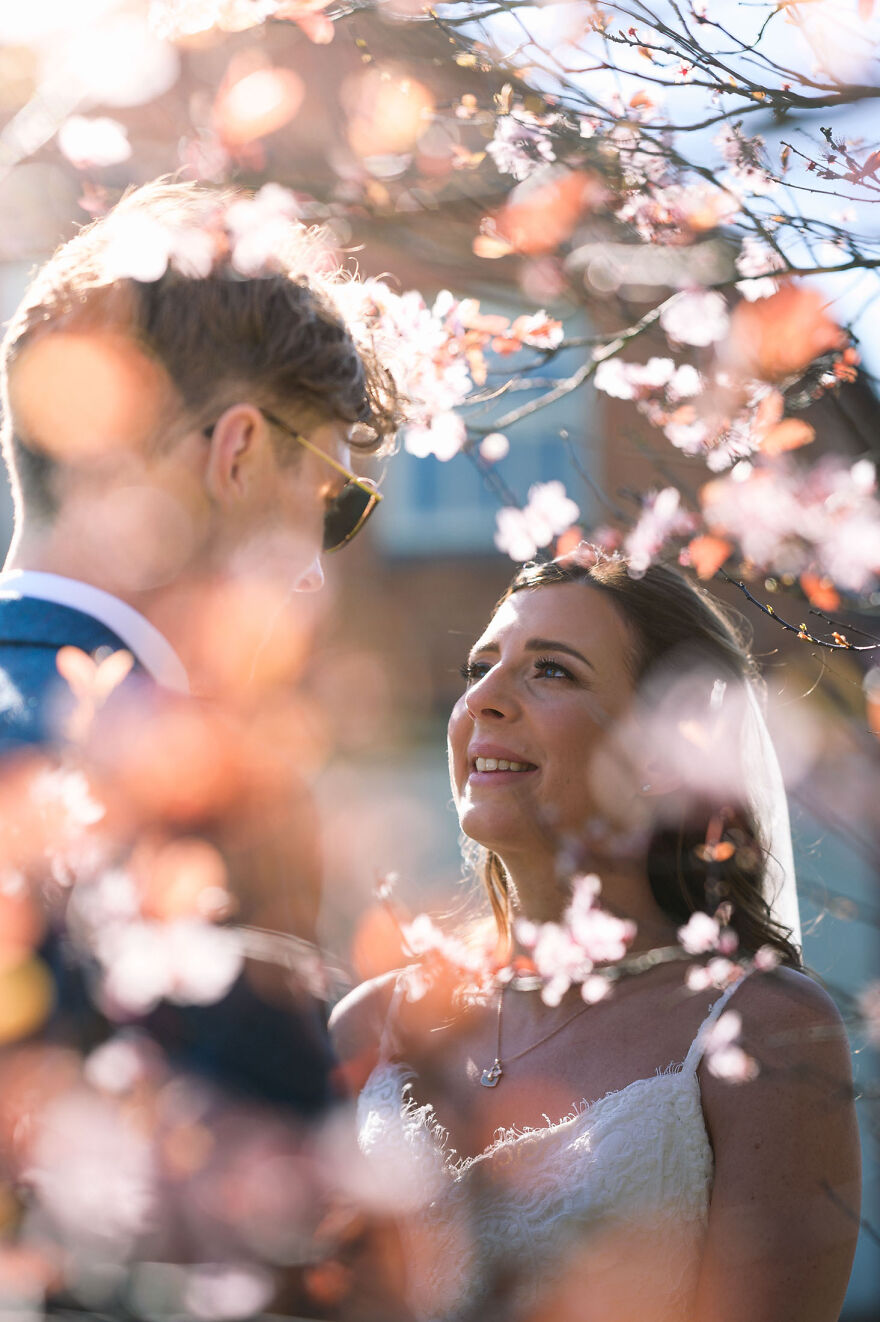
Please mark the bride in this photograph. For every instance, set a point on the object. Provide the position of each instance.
(589, 1140)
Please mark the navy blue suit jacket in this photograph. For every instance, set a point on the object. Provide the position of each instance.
(253, 1048)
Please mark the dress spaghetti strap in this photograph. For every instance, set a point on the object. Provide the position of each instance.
(698, 1046)
(389, 1043)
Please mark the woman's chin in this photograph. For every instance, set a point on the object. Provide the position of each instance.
(497, 830)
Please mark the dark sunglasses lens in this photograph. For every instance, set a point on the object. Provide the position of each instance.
(345, 516)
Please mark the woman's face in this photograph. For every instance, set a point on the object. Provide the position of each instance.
(546, 684)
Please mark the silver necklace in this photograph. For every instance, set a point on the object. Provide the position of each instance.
(638, 963)
(492, 1073)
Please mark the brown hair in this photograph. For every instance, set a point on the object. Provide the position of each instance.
(668, 619)
(278, 336)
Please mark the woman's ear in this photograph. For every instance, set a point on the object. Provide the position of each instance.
(240, 447)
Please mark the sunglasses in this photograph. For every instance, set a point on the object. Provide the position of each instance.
(346, 512)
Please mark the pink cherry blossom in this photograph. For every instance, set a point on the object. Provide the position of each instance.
(513, 535)
(724, 1058)
(423, 936)
(633, 380)
(559, 960)
(697, 317)
(718, 972)
(565, 953)
(548, 512)
(699, 934)
(187, 961)
(138, 248)
(595, 988)
(824, 518)
(613, 378)
(91, 143)
(766, 958)
(521, 144)
(662, 518)
(493, 447)
(603, 937)
(220, 1291)
(442, 436)
(746, 159)
(120, 1063)
(184, 18)
(263, 229)
(92, 1172)
(115, 63)
(539, 331)
(756, 260)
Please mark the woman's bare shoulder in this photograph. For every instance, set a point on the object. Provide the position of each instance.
(793, 1032)
(788, 1008)
(358, 1020)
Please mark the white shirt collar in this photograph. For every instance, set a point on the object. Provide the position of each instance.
(151, 648)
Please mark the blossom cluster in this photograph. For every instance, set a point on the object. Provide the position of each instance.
(548, 513)
(175, 19)
(438, 353)
(823, 519)
(567, 952)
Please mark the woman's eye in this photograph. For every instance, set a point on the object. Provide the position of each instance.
(550, 669)
(473, 670)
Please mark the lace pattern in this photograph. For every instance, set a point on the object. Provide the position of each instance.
(484, 1233)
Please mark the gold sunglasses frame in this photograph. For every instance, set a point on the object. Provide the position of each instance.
(365, 484)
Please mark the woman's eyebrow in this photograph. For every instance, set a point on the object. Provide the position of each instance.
(537, 645)
(550, 645)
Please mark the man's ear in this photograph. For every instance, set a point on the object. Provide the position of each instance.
(239, 447)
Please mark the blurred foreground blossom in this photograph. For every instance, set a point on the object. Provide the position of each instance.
(824, 519)
(522, 144)
(225, 1290)
(724, 1058)
(718, 973)
(662, 517)
(258, 102)
(139, 248)
(115, 61)
(262, 228)
(493, 447)
(93, 1171)
(91, 143)
(185, 961)
(756, 262)
(775, 339)
(174, 19)
(699, 934)
(423, 937)
(697, 317)
(567, 952)
(548, 513)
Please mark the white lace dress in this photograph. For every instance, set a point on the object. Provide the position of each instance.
(616, 1192)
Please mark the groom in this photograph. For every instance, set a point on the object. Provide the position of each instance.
(178, 447)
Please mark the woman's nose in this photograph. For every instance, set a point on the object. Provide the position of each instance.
(490, 697)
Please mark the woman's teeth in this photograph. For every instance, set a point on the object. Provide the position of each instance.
(499, 764)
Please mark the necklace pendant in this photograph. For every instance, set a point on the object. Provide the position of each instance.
(490, 1076)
